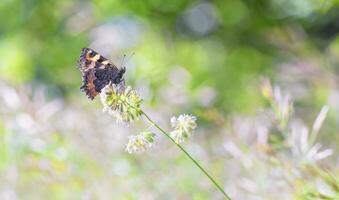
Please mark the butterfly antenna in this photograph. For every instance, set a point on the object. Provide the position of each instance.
(127, 60)
(122, 61)
(130, 57)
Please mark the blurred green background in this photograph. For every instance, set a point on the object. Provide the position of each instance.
(207, 58)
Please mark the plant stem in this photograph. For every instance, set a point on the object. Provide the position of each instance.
(181, 148)
(188, 155)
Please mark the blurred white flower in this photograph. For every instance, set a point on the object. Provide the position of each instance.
(318, 123)
(184, 126)
(302, 143)
(139, 143)
(123, 104)
(325, 188)
(281, 104)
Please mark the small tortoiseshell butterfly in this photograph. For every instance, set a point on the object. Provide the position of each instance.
(97, 72)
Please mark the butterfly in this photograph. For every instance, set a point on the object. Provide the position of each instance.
(97, 72)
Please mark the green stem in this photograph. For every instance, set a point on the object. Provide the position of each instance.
(188, 155)
(180, 147)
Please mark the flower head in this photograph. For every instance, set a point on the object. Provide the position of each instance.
(281, 103)
(139, 143)
(120, 102)
(299, 141)
(184, 126)
(266, 89)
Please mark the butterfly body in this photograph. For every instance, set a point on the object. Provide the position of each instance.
(97, 72)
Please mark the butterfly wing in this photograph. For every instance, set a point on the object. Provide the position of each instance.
(97, 72)
(90, 59)
(88, 85)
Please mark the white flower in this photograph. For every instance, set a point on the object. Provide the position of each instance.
(303, 144)
(139, 143)
(281, 103)
(123, 104)
(184, 126)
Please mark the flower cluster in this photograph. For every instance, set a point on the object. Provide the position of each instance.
(125, 105)
(281, 104)
(184, 126)
(299, 138)
(302, 142)
(120, 102)
(139, 143)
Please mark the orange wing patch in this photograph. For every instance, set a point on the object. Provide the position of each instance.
(88, 85)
